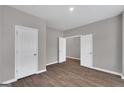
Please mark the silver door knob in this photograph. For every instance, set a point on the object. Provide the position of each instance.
(35, 54)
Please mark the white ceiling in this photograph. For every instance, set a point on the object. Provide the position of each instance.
(60, 17)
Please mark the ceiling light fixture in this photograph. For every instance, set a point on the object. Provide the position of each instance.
(71, 9)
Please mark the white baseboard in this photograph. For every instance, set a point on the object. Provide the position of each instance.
(107, 71)
(122, 77)
(99, 69)
(13, 80)
(73, 57)
(52, 63)
(9, 81)
(41, 71)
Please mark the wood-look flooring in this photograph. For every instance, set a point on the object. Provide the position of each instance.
(70, 74)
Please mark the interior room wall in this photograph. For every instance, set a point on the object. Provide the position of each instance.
(107, 42)
(1, 29)
(123, 45)
(73, 47)
(10, 18)
(52, 44)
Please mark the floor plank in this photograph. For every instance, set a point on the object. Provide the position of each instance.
(70, 74)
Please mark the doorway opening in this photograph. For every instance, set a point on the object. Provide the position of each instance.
(73, 50)
(78, 48)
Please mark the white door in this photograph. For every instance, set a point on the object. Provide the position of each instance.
(87, 50)
(62, 49)
(26, 51)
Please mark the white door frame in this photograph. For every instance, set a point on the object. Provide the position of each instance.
(80, 43)
(17, 27)
(60, 50)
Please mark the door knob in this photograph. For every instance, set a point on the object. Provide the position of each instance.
(35, 54)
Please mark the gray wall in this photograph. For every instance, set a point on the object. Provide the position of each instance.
(107, 42)
(52, 44)
(12, 17)
(123, 44)
(1, 29)
(73, 47)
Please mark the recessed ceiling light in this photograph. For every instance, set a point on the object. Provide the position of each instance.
(71, 9)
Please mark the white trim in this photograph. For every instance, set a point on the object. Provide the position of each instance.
(107, 71)
(72, 57)
(13, 80)
(25, 27)
(72, 36)
(80, 50)
(41, 71)
(89, 50)
(18, 27)
(122, 77)
(80, 44)
(62, 50)
(123, 47)
(15, 53)
(9, 81)
(51, 63)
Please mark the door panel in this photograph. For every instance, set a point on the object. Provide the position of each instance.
(87, 50)
(26, 51)
(62, 49)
